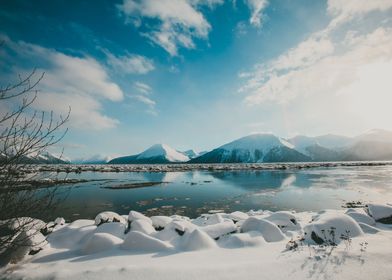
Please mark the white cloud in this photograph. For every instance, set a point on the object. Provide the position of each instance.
(144, 96)
(327, 75)
(142, 88)
(81, 83)
(179, 21)
(346, 10)
(257, 8)
(337, 72)
(146, 100)
(131, 63)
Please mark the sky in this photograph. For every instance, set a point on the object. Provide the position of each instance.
(196, 74)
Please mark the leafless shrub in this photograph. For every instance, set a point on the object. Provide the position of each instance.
(25, 133)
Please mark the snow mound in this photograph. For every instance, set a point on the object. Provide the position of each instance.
(59, 221)
(368, 229)
(81, 223)
(269, 230)
(160, 222)
(28, 241)
(331, 227)
(240, 240)
(362, 218)
(70, 235)
(134, 215)
(140, 242)
(99, 242)
(108, 217)
(26, 223)
(175, 229)
(116, 229)
(284, 220)
(381, 213)
(238, 216)
(208, 219)
(197, 240)
(219, 229)
(143, 226)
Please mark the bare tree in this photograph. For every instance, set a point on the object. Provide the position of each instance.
(25, 133)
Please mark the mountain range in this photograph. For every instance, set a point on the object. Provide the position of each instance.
(40, 158)
(265, 147)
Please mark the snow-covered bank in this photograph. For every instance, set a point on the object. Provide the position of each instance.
(331, 244)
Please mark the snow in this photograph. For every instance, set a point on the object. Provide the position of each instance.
(197, 240)
(160, 221)
(255, 247)
(238, 216)
(99, 242)
(141, 242)
(362, 218)
(239, 240)
(164, 150)
(269, 230)
(134, 215)
(219, 229)
(284, 220)
(331, 226)
(301, 142)
(143, 226)
(29, 240)
(379, 211)
(108, 217)
(249, 144)
(115, 229)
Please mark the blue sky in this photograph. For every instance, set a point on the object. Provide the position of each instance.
(199, 73)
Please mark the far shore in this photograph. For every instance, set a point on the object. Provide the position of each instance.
(181, 167)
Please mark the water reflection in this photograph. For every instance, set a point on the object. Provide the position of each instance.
(196, 192)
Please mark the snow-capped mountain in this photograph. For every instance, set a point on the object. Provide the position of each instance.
(45, 158)
(190, 154)
(159, 153)
(333, 141)
(301, 143)
(311, 147)
(375, 144)
(40, 158)
(253, 148)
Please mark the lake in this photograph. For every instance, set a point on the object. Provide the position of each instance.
(192, 193)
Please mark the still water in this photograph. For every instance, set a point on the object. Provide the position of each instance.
(196, 192)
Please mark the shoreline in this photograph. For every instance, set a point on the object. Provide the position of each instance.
(184, 167)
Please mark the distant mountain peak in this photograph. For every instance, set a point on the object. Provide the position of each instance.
(164, 150)
(258, 147)
(157, 153)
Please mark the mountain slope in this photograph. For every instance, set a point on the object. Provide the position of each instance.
(159, 153)
(253, 148)
(310, 147)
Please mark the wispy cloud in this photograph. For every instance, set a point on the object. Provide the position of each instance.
(257, 8)
(143, 95)
(130, 63)
(336, 75)
(179, 21)
(142, 87)
(321, 63)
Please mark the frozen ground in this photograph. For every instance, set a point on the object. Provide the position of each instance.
(353, 244)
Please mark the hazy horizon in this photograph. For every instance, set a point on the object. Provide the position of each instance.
(196, 74)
